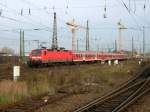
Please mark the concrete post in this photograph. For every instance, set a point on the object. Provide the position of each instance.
(109, 62)
(16, 72)
(102, 62)
(116, 62)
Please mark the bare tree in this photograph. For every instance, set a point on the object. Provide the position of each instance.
(8, 51)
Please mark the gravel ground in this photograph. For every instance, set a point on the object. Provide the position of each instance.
(141, 105)
(69, 104)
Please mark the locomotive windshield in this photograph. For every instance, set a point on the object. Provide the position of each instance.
(36, 52)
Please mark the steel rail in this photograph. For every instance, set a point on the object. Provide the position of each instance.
(134, 99)
(120, 90)
(102, 99)
(134, 96)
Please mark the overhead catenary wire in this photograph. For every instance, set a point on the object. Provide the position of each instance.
(105, 16)
(19, 21)
(134, 6)
(43, 9)
(71, 7)
(9, 18)
(67, 6)
(133, 18)
(53, 8)
(30, 10)
(21, 14)
(15, 20)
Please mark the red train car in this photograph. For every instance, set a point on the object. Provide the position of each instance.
(47, 56)
(83, 56)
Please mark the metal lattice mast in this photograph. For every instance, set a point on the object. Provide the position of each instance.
(132, 46)
(87, 37)
(115, 45)
(54, 39)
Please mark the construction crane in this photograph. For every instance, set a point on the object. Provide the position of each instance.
(119, 39)
(75, 26)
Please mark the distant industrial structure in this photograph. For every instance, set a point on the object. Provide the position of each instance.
(119, 39)
(54, 39)
(73, 26)
(22, 47)
(87, 37)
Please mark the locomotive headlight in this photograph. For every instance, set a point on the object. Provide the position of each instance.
(36, 57)
(39, 57)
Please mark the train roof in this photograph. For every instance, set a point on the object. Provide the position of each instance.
(52, 50)
(80, 52)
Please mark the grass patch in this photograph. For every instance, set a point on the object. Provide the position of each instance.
(93, 78)
(11, 92)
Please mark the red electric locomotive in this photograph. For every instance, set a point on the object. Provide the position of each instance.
(47, 56)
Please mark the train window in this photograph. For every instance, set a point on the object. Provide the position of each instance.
(76, 55)
(36, 52)
(44, 52)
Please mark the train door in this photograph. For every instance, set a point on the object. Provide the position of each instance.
(83, 56)
(44, 55)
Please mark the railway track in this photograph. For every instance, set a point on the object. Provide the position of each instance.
(122, 97)
(138, 83)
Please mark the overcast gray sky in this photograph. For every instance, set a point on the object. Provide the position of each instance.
(103, 31)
